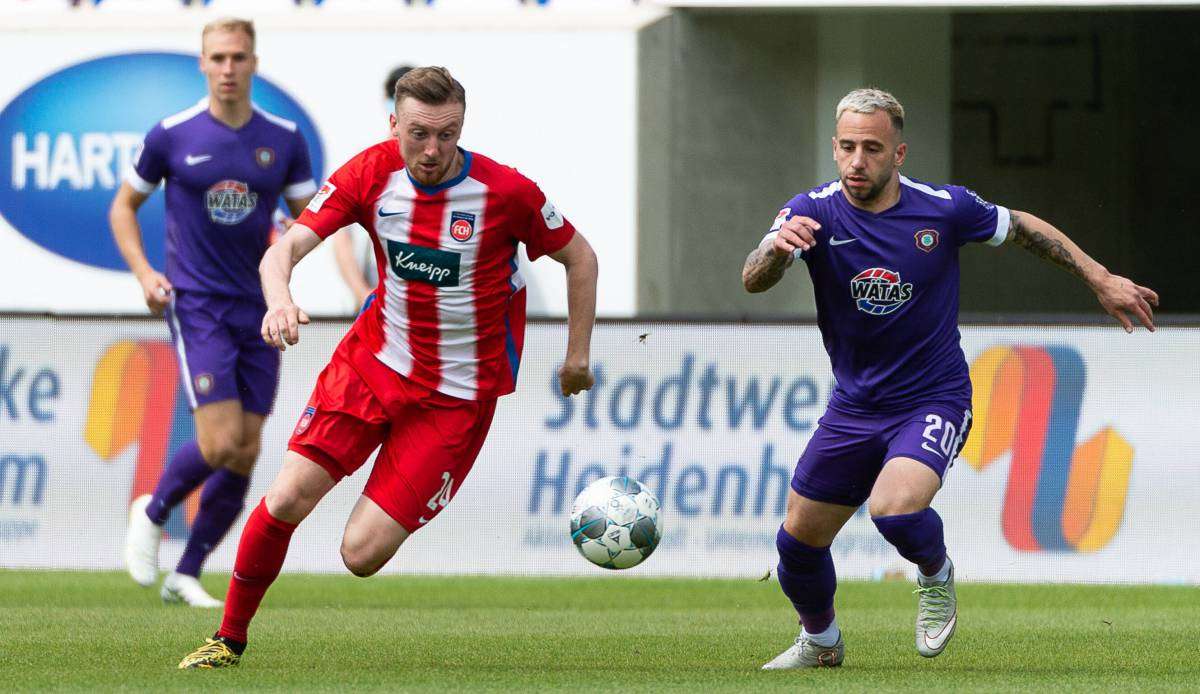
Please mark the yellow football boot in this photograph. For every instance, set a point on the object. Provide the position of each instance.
(215, 652)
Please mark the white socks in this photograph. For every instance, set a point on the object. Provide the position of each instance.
(941, 576)
(827, 638)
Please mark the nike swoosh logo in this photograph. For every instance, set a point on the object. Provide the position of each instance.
(840, 242)
(382, 213)
(198, 159)
(936, 643)
(422, 520)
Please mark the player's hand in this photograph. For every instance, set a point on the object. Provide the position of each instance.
(574, 376)
(1119, 295)
(797, 234)
(156, 290)
(281, 325)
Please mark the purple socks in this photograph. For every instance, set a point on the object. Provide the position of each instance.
(186, 471)
(220, 503)
(917, 536)
(807, 577)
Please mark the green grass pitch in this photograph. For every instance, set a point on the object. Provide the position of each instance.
(98, 631)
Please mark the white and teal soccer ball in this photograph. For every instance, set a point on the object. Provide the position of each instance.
(615, 523)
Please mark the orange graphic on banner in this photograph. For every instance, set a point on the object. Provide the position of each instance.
(1059, 497)
(135, 400)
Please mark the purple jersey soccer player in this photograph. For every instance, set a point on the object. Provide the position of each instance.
(882, 251)
(226, 163)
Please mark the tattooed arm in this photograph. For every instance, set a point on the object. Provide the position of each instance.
(765, 265)
(1115, 293)
(764, 268)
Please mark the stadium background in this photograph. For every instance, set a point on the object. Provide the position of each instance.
(669, 133)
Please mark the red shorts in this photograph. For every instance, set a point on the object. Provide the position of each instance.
(429, 440)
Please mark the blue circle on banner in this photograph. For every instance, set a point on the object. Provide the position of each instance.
(66, 141)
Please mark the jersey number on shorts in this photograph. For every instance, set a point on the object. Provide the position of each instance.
(946, 444)
(951, 441)
(442, 497)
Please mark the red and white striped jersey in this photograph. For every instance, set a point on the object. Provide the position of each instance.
(449, 310)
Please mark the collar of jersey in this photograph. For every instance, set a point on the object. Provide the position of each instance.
(462, 176)
(222, 124)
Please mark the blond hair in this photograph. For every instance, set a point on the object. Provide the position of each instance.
(870, 100)
(228, 24)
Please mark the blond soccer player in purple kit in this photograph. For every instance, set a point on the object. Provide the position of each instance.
(226, 163)
(882, 253)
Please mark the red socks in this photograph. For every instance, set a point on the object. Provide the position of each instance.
(260, 555)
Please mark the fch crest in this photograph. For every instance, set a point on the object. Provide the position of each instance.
(462, 226)
(927, 239)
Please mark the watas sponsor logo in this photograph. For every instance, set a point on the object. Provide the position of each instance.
(879, 291)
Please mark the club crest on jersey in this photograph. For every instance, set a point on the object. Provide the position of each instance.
(927, 239)
(229, 202)
(305, 420)
(462, 226)
(264, 156)
(879, 291)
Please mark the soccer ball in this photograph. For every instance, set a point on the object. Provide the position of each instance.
(614, 522)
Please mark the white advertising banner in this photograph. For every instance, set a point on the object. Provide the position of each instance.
(1083, 463)
(555, 100)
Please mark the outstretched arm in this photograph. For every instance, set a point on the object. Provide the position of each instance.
(577, 256)
(765, 265)
(1116, 294)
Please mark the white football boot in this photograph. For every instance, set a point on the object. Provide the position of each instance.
(141, 543)
(805, 654)
(181, 588)
(937, 614)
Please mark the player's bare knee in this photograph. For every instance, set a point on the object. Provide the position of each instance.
(360, 561)
(289, 503)
(220, 451)
(895, 505)
(243, 463)
(802, 529)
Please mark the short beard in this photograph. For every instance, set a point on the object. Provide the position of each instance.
(865, 196)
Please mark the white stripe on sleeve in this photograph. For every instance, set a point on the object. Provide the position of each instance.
(303, 189)
(1002, 221)
(138, 183)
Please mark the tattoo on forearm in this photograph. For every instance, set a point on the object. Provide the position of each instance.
(762, 270)
(1041, 245)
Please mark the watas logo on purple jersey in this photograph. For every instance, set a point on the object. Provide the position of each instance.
(67, 140)
(879, 291)
(229, 202)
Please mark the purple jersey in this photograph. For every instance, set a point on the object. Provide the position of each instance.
(222, 188)
(886, 289)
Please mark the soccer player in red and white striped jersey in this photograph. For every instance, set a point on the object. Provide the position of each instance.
(439, 343)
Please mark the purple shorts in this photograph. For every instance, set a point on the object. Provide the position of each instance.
(222, 355)
(847, 451)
